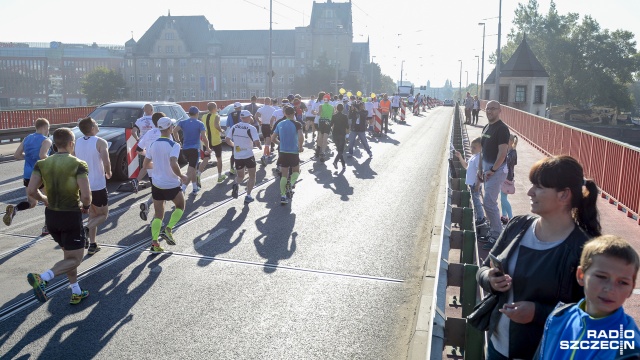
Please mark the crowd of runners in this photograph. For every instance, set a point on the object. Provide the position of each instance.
(72, 181)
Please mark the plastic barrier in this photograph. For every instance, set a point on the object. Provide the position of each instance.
(377, 123)
(132, 155)
(403, 111)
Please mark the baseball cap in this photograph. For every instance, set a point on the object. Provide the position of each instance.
(245, 113)
(237, 104)
(345, 99)
(327, 97)
(164, 123)
(290, 97)
(194, 110)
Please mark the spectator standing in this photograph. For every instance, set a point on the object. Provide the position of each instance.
(512, 161)
(472, 180)
(468, 105)
(475, 110)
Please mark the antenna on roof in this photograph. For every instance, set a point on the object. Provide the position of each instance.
(169, 12)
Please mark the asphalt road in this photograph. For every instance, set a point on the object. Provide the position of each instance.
(333, 275)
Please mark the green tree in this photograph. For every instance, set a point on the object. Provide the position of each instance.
(103, 85)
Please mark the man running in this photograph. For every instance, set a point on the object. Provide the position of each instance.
(324, 128)
(162, 156)
(95, 152)
(309, 119)
(339, 129)
(242, 137)
(358, 128)
(289, 132)
(141, 127)
(232, 119)
(193, 132)
(212, 124)
(65, 178)
(264, 115)
(144, 143)
(33, 148)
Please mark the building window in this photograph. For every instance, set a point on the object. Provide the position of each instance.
(192, 78)
(144, 63)
(521, 92)
(183, 62)
(158, 94)
(243, 78)
(158, 63)
(141, 93)
(291, 63)
(159, 49)
(157, 77)
(169, 49)
(149, 78)
(184, 93)
(193, 94)
(171, 79)
(234, 93)
(281, 79)
(234, 78)
(150, 94)
(132, 78)
(130, 63)
(169, 35)
(291, 78)
(281, 93)
(537, 96)
(211, 94)
(262, 92)
(170, 63)
(140, 78)
(243, 93)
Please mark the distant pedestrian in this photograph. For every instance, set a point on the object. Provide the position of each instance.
(495, 145)
(475, 110)
(65, 178)
(508, 186)
(95, 152)
(339, 130)
(468, 105)
(34, 147)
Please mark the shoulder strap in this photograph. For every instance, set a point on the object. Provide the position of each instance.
(208, 123)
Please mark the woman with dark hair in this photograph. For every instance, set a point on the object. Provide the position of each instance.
(539, 256)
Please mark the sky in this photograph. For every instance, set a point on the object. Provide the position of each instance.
(429, 35)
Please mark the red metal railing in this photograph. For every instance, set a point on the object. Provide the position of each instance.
(612, 164)
(14, 119)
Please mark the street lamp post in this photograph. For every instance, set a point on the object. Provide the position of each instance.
(401, 70)
(270, 66)
(477, 75)
(482, 77)
(460, 83)
(372, 57)
(499, 54)
(467, 86)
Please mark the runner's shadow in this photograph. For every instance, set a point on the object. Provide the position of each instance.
(219, 239)
(363, 170)
(273, 242)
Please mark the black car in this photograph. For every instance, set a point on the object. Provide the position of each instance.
(113, 118)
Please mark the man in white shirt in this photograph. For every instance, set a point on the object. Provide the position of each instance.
(141, 127)
(264, 115)
(395, 104)
(309, 119)
(242, 137)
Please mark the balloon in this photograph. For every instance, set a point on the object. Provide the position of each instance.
(349, 94)
(373, 95)
(342, 91)
(359, 93)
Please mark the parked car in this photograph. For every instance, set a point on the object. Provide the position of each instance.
(449, 102)
(113, 118)
(223, 116)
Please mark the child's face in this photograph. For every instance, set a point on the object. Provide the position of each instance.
(608, 282)
(476, 148)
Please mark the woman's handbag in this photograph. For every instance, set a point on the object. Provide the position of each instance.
(481, 315)
(508, 187)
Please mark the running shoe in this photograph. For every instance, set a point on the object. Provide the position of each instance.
(232, 171)
(263, 160)
(45, 231)
(168, 236)
(221, 178)
(198, 181)
(248, 199)
(156, 249)
(77, 298)
(234, 191)
(93, 248)
(39, 286)
(481, 221)
(335, 165)
(144, 211)
(86, 236)
(195, 190)
(284, 200)
(9, 214)
(134, 185)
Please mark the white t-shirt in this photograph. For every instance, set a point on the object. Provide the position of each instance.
(278, 114)
(310, 106)
(160, 152)
(316, 108)
(265, 114)
(243, 135)
(369, 106)
(144, 124)
(410, 98)
(148, 139)
(472, 169)
(87, 151)
(395, 101)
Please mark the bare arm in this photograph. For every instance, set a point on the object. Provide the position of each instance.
(101, 145)
(176, 134)
(258, 144)
(205, 139)
(135, 132)
(216, 123)
(463, 162)
(502, 154)
(147, 164)
(19, 154)
(176, 170)
(85, 191)
(34, 185)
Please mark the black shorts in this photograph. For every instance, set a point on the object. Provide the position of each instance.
(394, 108)
(25, 182)
(192, 156)
(249, 163)
(310, 118)
(266, 130)
(100, 197)
(288, 159)
(217, 150)
(66, 228)
(324, 126)
(164, 194)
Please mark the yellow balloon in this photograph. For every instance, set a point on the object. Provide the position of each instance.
(373, 95)
(349, 94)
(342, 91)
(359, 93)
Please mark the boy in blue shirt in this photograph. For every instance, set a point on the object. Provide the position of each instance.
(597, 326)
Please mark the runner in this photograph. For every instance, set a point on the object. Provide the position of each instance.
(370, 106)
(309, 120)
(339, 130)
(65, 178)
(144, 143)
(242, 137)
(162, 156)
(34, 147)
(358, 128)
(395, 105)
(212, 124)
(324, 128)
(232, 119)
(264, 116)
(140, 128)
(194, 133)
(289, 132)
(95, 152)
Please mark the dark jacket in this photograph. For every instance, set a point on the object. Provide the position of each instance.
(512, 161)
(524, 338)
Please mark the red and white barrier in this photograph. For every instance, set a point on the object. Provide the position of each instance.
(132, 154)
(403, 111)
(377, 122)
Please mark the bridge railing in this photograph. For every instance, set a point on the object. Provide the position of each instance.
(612, 164)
